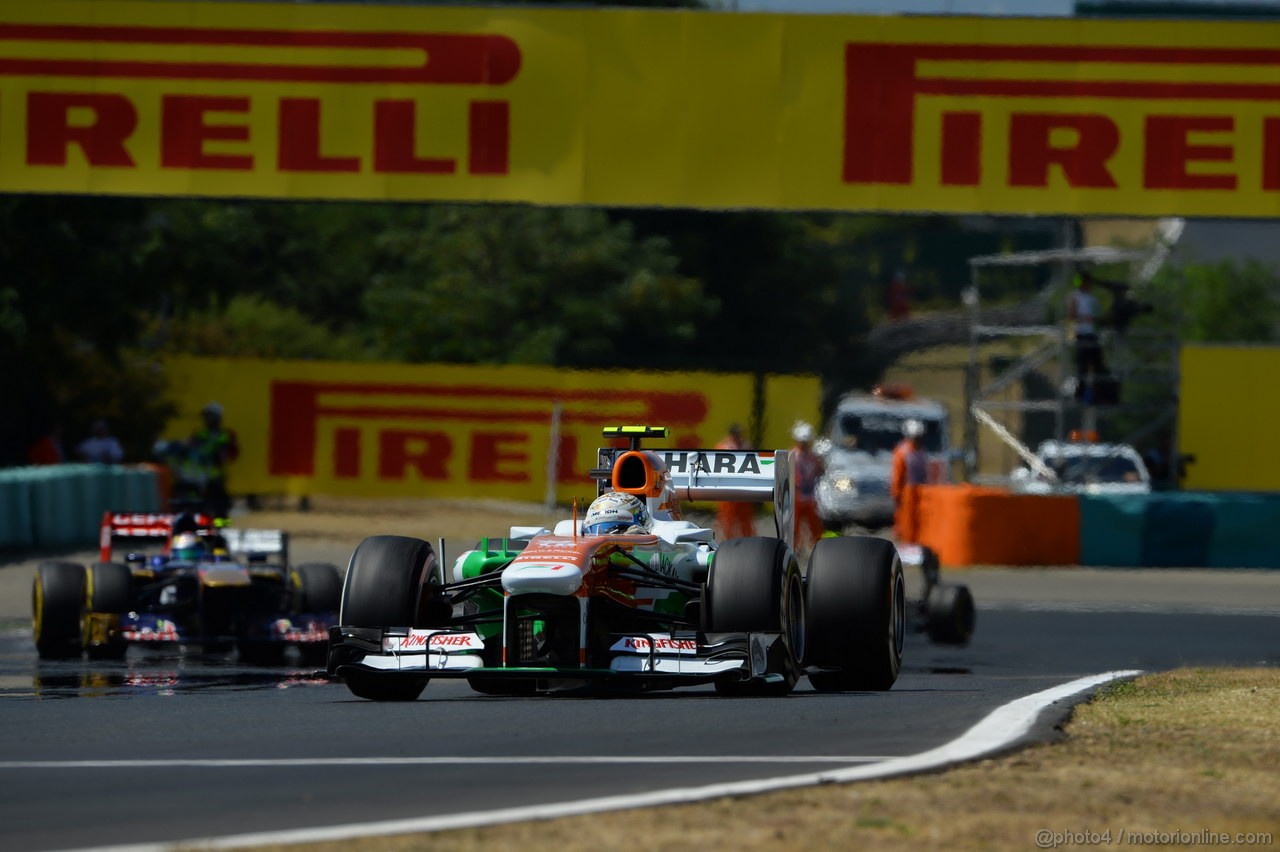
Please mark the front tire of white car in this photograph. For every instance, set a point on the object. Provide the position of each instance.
(754, 586)
(383, 588)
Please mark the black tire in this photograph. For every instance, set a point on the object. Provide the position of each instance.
(951, 615)
(108, 589)
(383, 588)
(754, 586)
(318, 588)
(57, 597)
(857, 614)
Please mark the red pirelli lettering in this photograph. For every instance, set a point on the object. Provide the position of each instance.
(442, 58)
(52, 129)
(1169, 152)
(298, 408)
(883, 82)
(184, 131)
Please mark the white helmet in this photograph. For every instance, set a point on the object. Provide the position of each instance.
(802, 431)
(913, 428)
(616, 512)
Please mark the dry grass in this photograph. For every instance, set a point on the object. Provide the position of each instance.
(1189, 750)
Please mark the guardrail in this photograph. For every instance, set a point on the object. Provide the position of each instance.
(56, 506)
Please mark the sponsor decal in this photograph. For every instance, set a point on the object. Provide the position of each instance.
(658, 643)
(499, 449)
(189, 128)
(163, 631)
(717, 462)
(431, 640)
(1075, 124)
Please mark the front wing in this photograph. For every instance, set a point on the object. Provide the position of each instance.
(157, 629)
(653, 659)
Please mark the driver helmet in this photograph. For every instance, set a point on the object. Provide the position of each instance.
(802, 432)
(616, 512)
(913, 428)
(187, 546)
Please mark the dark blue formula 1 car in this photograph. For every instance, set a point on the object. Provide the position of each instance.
(209, 587)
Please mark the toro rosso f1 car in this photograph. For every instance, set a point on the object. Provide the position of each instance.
(206, 586)
(652, 607)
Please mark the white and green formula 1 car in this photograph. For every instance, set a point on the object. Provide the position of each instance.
(540, 610)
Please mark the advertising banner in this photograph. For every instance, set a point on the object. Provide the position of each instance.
(641, 107)
(1227, 415)
(393, 430)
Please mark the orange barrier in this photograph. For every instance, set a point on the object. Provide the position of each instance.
(966, 525)
(164, 482)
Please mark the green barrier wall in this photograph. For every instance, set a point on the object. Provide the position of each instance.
(59, 506)
(1180, 530)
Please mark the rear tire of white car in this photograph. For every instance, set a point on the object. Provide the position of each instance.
(754, 586)
(383, 588)
(950, 615)
(857, 614)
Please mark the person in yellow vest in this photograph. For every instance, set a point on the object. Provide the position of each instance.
(214, 448)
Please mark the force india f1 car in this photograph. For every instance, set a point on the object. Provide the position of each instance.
(546, 610)
(207, 587)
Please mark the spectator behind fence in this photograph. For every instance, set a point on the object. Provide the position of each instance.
(101, 447)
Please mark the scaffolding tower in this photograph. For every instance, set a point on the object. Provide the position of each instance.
(1032, 396)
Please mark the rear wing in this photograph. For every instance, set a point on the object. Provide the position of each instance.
(249, 545)
(144, 527)
(740, 476)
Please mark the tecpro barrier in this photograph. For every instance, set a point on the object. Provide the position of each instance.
(966, 525)
(1191, 529)
(61, 506)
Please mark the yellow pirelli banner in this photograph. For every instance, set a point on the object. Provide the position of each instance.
(396, 430)
(627, 107)
(1227, 416)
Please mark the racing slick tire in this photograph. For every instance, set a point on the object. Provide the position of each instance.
(318, 587)
(857, 614)
(950, 615)
(384, 587)
(109, 591)
(754, 586)
(57, 597)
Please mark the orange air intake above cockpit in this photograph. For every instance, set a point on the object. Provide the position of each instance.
(639, 472)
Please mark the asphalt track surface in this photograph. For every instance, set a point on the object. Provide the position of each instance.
(169, 747)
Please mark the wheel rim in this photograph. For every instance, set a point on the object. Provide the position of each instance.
(796, 629)
(37, 608)
(898, 623)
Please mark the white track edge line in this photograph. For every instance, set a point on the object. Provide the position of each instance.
(500, 760)
(1000, 729)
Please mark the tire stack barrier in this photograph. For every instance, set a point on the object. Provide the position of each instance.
(61, 506)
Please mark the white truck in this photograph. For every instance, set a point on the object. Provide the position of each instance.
(857, 450)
